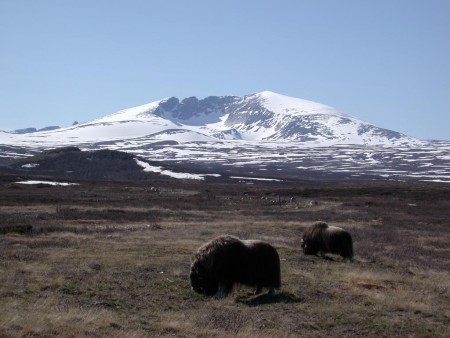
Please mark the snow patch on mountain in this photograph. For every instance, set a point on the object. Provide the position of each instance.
(286, 105)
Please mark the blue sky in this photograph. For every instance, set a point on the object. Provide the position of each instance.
(386, 62)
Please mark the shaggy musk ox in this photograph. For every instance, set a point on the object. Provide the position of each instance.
(322, 238)
(227, 260)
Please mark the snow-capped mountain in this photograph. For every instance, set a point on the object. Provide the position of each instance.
(264, 116)
(263, 135)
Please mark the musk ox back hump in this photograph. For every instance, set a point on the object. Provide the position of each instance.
(263, 265)
(339, 241)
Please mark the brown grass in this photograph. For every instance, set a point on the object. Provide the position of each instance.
(113, 260)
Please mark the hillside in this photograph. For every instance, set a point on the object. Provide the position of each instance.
(71, 162)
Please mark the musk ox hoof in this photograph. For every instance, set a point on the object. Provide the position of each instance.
(271, 291)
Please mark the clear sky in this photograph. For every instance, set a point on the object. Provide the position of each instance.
(384, 61)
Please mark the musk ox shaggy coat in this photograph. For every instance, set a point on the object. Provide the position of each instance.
(227, 260)
(321, 238)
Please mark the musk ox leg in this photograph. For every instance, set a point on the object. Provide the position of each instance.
(220, 294)
(223, 290)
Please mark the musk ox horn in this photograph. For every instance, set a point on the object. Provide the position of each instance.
(226, 260)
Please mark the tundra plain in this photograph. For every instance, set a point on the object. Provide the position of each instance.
(112, 259)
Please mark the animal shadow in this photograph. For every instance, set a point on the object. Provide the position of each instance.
(262, 299)
(328, 258)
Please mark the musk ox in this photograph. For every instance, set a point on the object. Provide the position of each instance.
(322, 238)
(226, 260)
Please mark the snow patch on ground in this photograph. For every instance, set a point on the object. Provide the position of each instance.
(150, 168)
(30, 165)
(255, 178)
(64, 184)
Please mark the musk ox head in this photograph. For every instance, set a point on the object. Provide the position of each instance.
(226, 260)
(204, 275)
(312, 241)
(322, 238)
(202, 281)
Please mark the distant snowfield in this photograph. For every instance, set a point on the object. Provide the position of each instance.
(274, 161)
(64, 184)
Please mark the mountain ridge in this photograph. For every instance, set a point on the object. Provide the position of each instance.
(264, 116)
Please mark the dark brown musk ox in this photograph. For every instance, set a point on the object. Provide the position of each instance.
(226, 260)
(322, 238)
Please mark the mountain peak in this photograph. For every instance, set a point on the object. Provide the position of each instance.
(281, 104)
